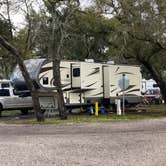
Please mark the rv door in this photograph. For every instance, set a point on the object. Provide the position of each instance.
(76, 76)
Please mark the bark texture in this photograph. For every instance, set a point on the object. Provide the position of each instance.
(55, 52)
(57, 83)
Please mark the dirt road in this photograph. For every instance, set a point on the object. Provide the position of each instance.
(141, 143)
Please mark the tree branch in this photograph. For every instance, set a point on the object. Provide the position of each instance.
(147, 40)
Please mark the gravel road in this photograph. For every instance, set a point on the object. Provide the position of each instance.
(141, 143)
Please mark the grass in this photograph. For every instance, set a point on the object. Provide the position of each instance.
(156, 111)
(13, 112)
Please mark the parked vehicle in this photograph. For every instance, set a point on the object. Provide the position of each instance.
(153, 96)
(149, 84)
(10, 99)
(85, 83)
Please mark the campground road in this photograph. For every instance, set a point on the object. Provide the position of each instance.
(141, 143)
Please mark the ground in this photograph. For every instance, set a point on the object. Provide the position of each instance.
(139, 143)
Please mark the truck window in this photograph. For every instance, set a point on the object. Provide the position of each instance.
(76, 72)
(5, 85)
(4, 92)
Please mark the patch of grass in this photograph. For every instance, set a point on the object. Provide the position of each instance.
(154, 108)
(156, 111)
(78, 119)
(13, 112)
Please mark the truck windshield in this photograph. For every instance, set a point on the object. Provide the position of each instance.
(4, 92)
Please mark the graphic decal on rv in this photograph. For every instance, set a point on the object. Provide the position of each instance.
(134, 90)
(114, 90)
(62, 67)
(91, 84)
(124, 73)
(44, 69)
(65, 85)
(79, 90)
(96, 70)
(98, 94)
(130, 87)
(117, 69)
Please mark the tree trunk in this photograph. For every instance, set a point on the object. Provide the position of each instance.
(57, 83)
(163, 90)
(55, 51)
(38, 113)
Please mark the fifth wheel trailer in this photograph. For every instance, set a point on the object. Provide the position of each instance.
(84, 83)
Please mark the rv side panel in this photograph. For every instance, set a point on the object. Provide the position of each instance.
(133, 92)
(91, 81)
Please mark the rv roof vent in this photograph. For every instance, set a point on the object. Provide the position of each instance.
(111, 62)
(89, 60)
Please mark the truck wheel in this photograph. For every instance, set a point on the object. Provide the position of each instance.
(24, 111)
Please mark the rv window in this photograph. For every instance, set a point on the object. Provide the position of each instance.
(45, 80)
(76, 72)
(4, 92)
(67, 75)
(5, 85)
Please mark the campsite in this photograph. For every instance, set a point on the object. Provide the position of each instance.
(82, 82)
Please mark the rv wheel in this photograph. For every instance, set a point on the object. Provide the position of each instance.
(24, 111)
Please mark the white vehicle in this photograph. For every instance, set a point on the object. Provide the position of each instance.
(149, 84)
(9, 100)
(85, 83)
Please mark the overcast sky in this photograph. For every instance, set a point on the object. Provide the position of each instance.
(18, 19)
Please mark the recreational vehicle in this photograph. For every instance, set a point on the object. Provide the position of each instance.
(85, 83)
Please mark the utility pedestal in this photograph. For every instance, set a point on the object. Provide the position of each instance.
(118, 106)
